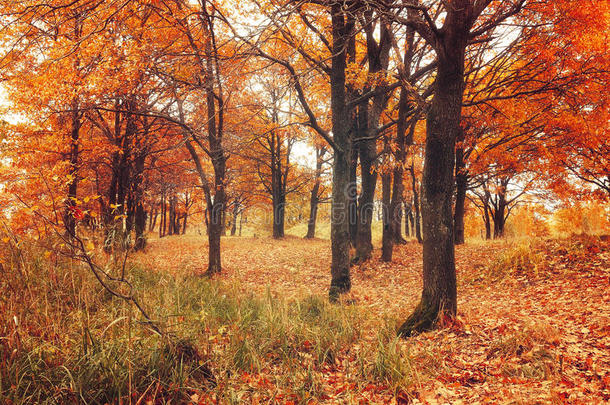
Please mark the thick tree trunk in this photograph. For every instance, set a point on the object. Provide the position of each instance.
(499, 217)
(439, 295)
(363, 243)
(387, 241)
(279, 206)
(340, 240)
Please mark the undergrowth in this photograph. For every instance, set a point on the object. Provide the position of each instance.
(537, 258)
(64, 339)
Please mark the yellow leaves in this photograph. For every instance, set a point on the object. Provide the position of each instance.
(89, 246)
(6, 239)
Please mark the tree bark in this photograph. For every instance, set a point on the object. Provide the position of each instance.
(340, 240)
(499, 216)
(439, 295)
(364, 246)
(368, 117)
(279, 214)
(387, 242)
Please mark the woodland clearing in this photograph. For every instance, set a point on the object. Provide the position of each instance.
(532, 327)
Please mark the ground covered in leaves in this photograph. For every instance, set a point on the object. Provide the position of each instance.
(533, 325)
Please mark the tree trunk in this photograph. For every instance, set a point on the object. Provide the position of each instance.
(279, 205)
(499, 217)
(369, 116)
(162, 221)
(153, 219)
(364, 244)
(407, 215)
(417, 206)
(315, 198)
(395, 209)
(172, 215)
(461, 182)
(352, 197)
(387, 241)
(138, 195)
(439, 295)
(234, 221)
(487, 221)
(140, 224)
(340, 240)
(402, 141)
(71, 214)
(214, 234)
(313, 211)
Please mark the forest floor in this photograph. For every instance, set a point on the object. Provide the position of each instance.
(533, 324)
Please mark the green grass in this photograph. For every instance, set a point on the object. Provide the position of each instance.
(66, 340)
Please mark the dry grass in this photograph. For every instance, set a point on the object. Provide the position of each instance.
(266, 330)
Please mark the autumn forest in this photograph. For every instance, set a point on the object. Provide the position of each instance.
(304, 202)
